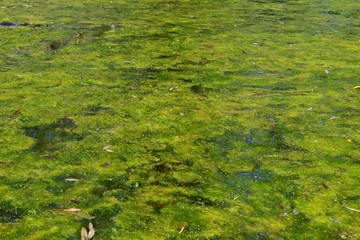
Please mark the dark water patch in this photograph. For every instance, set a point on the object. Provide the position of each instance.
(48, 136)
(356, 161)
(278, 105)
(157, 206)
(232, 183)
(60, 187)
(164, 167)
(161, 151)
(199, 89)
(166, 56)
(201, 200)
(15, 25)
(117, 182)
(119, 187)
(300, 223)
(188, 183)
(9, 212)
(177, 69)
(192, 63)
(188, 162)
(16, 184)
(103, 221)
(97, 108)
(51, 206)
(154, 36)
(288, 187)
(256, 174)
(99, 31)
(228, 140)
(245, 73)
(188, 80)
(257, 236)
(8, 24)
(276, 137)
(332, 12)
(282, 86)
(133, 73)
(54, 45)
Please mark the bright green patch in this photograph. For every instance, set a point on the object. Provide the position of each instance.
(180, 119)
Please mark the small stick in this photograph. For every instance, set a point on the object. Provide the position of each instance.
(182, 229)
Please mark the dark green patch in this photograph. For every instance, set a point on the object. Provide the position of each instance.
(49, 136)
(95, 109)
(9, 212)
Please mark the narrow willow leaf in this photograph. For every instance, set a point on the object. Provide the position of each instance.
(91, 226)
(70, 209)
(352, 209)
(91, 233)
(84, 234)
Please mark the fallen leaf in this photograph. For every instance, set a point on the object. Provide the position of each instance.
(71, 179)
(349, 140)
(357, 87)
(284, 214)
(107, 148)
(91, 233)
(181, 228)
(70, 209)
(352, 209)
(91, 226)
(106, 164)
(84, 234)
(18, 111)
(75, 201)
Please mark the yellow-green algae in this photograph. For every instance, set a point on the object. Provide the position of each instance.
(233, 119)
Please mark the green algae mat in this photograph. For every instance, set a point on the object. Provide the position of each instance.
(164, 119)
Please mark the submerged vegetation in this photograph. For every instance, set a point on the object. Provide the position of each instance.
(180, 119)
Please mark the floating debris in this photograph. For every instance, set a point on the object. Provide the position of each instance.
(70, 209)
(108, 148)
(324, 185)
(335, 220)
(295, 211)
(284, 214)
(182, 228)
(280, 205)
(17, 112)
(353, 209)
(106, 164)
(85, 235)
(75, 201)
(71, 179)
(8, 24)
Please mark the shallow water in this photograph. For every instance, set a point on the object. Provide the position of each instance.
(180, 119)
